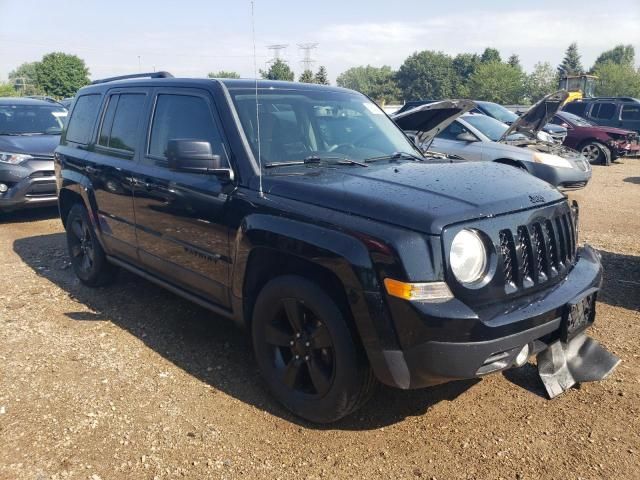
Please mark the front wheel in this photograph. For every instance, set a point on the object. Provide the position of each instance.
(596, 153)
(87, 256)
(306, 351)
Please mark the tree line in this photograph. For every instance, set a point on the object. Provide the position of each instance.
(425, 74)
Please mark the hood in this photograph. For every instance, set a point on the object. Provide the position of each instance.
(423, 197)
(534, 119)
(36, 145)
(430, 119)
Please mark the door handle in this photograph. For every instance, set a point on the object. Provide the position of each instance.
(91, 170)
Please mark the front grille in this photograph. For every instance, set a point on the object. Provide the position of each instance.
(43, 173)
(537, 252)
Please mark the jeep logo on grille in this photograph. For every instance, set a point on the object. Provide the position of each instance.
(536, 198)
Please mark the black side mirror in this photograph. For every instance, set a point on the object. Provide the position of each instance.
(466, 137)
(193, 156)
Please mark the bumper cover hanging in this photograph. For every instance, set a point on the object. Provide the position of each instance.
(582, 359)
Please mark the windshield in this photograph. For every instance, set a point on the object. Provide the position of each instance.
(575, 119)
(31, 119)
(299, 124)
(498, 112)
(489, 127)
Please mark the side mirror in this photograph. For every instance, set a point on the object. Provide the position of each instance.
(194, 156)
(466, 137)
(566, 125)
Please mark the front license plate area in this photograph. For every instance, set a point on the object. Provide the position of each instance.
(578, 316)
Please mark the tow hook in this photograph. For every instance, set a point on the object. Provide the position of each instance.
(582, 359)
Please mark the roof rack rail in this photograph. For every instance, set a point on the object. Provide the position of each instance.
(44, 98)
(622, 99)
(134, 75)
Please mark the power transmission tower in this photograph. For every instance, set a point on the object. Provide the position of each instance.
(276, 49)
(307, 61)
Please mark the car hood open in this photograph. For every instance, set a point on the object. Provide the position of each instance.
(430, 119)
(534, 119)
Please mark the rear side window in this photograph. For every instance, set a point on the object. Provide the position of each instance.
(83, 118)
(576, 108)
(603, 111)
(183, 116)
(630, 112)
(120, 124)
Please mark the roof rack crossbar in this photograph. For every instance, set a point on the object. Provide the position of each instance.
(134, 75)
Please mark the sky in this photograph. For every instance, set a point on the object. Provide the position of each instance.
(194, 37)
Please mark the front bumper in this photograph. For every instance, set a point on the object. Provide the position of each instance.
(27, 188)
(457, 343)
(562, 178)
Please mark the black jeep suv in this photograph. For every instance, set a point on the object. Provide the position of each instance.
(307, 216)
(29, 132)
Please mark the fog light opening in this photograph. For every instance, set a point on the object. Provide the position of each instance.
(3, 188)
(522, 356)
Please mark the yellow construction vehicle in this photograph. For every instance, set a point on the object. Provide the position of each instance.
(578, 86)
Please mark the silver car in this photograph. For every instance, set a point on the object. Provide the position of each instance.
(477, 137)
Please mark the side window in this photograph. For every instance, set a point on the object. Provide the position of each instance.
(83, 117)
(630, 112)
(603, 111)
(452, 131)
(577, 108)
(120, 124)
(182, 116)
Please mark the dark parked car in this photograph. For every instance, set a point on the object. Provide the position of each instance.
(315, 223)
(598, 144)
(500, 113)
(619, 112)
(29, 132)
(478, 137)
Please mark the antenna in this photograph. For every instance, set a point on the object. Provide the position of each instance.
(255, 74)
(307, 61)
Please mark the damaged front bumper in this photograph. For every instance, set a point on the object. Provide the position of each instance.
(502, 336)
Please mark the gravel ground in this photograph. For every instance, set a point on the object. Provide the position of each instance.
(130, 381)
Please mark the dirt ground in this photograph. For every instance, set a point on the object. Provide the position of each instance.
(131, 382)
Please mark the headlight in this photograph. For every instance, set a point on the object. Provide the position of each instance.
(468, 257)
(551, 160)
(13, 158)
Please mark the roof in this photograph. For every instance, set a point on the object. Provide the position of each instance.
(27, 101)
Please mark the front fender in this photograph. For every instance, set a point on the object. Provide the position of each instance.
(347, 257)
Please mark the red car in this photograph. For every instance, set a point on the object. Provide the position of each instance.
(597, 143)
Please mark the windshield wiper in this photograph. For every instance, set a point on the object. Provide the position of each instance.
(316, 160)
(395, 156)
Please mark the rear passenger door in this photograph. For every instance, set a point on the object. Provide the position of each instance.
(110, 163)
(181, 218)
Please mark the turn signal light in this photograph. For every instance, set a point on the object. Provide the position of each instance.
(428, 291)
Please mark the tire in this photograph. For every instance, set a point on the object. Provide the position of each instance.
(306, 351)
(596, 152)
(88, 259)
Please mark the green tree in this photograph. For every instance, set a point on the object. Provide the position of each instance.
(378, 83)
(223, 74)
(497, 82)
(428, 75)
(490, 55)
(25, 79)
(465, 64)
(542, 81)
(61, 75)
(307, 77)
(620, 54)
(571, 64)
(618, 80)
(514, 61)
(278, 70)
(321, 77)
(7, 90)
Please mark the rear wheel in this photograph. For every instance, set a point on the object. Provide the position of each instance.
(87, 256)
(306, 351)
(596, 152)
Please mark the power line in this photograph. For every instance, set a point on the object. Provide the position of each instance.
(307, 61)
(276, 56)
